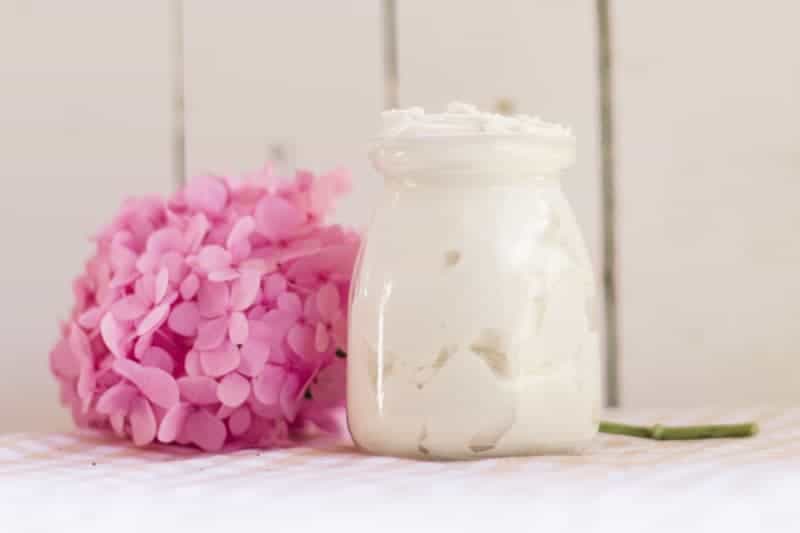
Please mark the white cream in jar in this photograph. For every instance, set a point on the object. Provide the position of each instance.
(472, 330)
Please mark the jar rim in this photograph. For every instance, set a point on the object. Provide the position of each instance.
(530, 154)
(560, 139)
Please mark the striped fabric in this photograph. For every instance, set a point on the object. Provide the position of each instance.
(91, 482)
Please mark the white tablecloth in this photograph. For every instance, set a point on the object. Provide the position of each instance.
(91, 482)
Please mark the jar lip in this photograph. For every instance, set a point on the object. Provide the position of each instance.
(560, 140)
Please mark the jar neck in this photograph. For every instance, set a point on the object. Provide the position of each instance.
(475, 160)
(471, 180)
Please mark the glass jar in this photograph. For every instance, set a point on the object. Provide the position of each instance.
(471, 326)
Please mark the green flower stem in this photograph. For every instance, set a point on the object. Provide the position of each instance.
(659, 432)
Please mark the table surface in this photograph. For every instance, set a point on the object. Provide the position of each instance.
(91, 482)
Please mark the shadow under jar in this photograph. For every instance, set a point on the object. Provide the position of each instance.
(472, 330)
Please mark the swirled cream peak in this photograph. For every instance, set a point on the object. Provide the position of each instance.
(465, 119)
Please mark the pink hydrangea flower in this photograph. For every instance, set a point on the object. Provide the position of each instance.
(215, 318)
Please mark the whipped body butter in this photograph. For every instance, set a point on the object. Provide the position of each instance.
(472, 329)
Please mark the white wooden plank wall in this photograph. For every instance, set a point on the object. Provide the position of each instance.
(709, 194)
(299, 80)
(84, 121)
(707, 164)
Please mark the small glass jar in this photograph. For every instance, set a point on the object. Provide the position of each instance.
(471, 326)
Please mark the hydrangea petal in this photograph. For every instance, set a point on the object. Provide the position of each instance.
(298, 249)
(90, 319)
(116, 398)
(301, 339)
(241, 251)
(321, 338)
(277, 218)
(329, 388)
(196, 231)
(267, 385)
(205, 430)
(211, 333)
(328, 300)
(326, 421)
(224, 411)
(123, 278)
(79, 343)
(206, 193)
(227, 274)
(184, 319)
(212, 258)
(199, 390)
(233, 390)
(238, 328)
(170, 298)
(176, 267)
(153, 320)
(339, 332)
(281, 354)
(117, 421)
(145, 288)
(220, 361)
(113, 334)
(289, 395)
(165, 240)
(261, 265)
(158, 386)
(291, 303)
(142, 344)
(63, 362)
(189, 286)
(239, 421)
(326, 188)
(212, 299)
(274, 286)
(244, 290)
(173, 422)
(122, 258)
(161, 285)
(264, 177)
(256, 312)
(310, 311)
(86, 386)
(273, 326)
(129, 308)
(147, 262)
(81, 290)
(241, 231)
(336, 261)
(263, 410)
(192, 364)
(106, 377)
(158, 357)
(143, 422)
(255, 353)
(322, 197)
